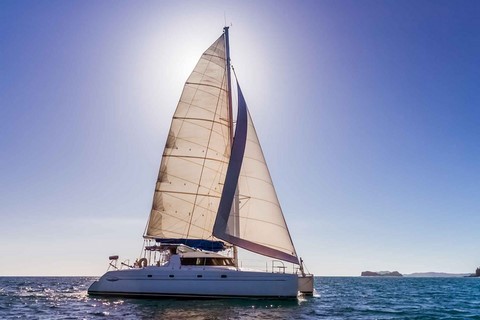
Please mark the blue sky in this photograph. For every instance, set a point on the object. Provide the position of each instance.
(367, 111)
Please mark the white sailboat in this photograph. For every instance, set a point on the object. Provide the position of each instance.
(214, 193)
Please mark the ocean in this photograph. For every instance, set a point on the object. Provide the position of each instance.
(336, 298)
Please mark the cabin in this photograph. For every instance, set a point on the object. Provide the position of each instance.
(200, 258)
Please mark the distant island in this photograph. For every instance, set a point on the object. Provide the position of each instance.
(476, 274)
(381, 274)
(436, 275)
(419, 274)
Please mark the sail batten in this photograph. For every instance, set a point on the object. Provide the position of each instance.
(200, 194)
(193, 157)
(206, 84)
(199, 119)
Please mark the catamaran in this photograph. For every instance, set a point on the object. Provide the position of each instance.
(214, 194)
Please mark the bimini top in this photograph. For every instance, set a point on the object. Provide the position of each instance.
(202, 254)
(201, 244)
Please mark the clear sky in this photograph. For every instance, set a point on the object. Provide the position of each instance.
(368, 113)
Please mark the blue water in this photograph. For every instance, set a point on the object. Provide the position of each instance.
(338, 298)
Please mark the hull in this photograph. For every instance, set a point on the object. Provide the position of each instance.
(196, 282)
(305, 284)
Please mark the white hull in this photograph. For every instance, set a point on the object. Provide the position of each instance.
(202, 282)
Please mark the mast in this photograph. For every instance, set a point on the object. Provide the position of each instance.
(229, 85)
(236, 205)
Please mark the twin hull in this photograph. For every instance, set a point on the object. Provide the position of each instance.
(195, 282)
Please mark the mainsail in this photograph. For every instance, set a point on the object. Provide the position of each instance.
(196, 155)
(209, 188)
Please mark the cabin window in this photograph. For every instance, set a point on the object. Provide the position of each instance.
(191, 261)
(207, 262)
(220, 262)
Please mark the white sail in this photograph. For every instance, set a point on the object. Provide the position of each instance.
(258, 225)
(196, 155)
(260, 216)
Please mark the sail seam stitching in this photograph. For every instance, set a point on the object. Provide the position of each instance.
(200, 119)
(190, 193)
(194, 157)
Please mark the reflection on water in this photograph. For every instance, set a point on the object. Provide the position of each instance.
(66, 297)
(200, 308)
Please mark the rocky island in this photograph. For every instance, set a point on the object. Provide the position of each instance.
(381, 274)
(476, 274)
(419, 274)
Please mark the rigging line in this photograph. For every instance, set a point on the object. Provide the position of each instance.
(244, 202)
(267, 201)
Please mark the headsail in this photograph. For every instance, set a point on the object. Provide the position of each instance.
(196, 154)
(262, 227)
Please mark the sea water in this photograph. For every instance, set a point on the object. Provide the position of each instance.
(336, 298)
